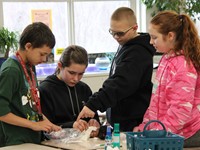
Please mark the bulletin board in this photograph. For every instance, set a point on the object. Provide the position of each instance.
(42, 15)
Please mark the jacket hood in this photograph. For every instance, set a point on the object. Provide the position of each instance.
(53, 79)
(144, 40)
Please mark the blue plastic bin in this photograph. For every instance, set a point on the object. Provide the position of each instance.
(130, 139)
(136, 141)
(154, 139)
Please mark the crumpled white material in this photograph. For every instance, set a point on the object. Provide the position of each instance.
(85, 135)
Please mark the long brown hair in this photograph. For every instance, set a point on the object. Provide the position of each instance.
(73, 54)
(187, 38)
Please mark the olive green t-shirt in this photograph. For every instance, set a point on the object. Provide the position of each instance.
(13, 99)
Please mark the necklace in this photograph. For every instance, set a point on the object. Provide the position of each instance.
(32, 84)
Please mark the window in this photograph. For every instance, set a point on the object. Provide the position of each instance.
(91, 25)
(84, 22)
(17, 15)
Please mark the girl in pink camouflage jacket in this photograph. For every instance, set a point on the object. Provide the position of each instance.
(176, 94)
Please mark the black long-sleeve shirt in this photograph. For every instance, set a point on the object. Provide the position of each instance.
(128, 89)
(61, 106)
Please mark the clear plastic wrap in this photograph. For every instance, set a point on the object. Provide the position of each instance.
(70, 135)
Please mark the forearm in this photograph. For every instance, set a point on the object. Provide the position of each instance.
(10, 118)
(44, 125)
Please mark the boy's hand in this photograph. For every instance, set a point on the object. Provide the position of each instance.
(45, 125)
(85, 113)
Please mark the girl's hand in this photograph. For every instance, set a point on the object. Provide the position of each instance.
(136, 129)
(95, 123)
(80, 125)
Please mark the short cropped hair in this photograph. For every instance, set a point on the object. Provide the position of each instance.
(124, 13)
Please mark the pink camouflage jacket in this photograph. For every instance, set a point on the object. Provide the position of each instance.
(176, 97)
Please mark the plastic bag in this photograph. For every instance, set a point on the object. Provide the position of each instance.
(70, 135)
(63, 134)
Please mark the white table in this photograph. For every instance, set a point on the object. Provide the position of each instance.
(91, 144)
(81, 146)
(28, 146)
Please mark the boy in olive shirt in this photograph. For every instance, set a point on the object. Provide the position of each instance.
(21, 120)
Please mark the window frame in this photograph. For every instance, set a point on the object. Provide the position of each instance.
(136, 5)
